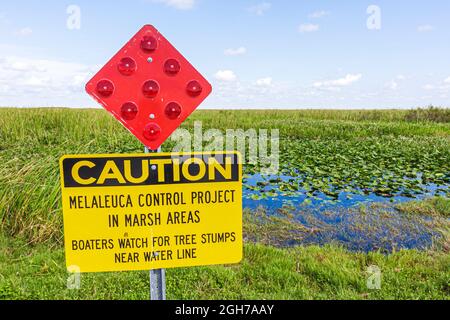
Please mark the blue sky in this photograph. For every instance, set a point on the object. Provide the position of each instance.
(256, 54)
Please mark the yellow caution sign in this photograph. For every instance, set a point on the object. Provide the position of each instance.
(151, 211)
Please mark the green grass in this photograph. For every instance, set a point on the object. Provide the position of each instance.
(368, 149)
(437, 206)
(325, 151)
(38, 272)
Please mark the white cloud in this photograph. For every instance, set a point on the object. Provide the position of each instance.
(178, 4)
(244, 94)
(225, 75)
(342, 82)
(308, 27)
(235, 52)
(264, 82)
(37, 82)
(261, 8)
(318, 14)
(425, 28)
(24, 32)
(440, 87)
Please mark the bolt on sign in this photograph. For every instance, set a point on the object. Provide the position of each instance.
(151, 211)
(149, 87)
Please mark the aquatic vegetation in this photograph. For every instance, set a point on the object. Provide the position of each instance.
(379, 166)
(373, 227)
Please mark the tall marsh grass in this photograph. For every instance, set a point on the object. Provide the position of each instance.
(33, 140)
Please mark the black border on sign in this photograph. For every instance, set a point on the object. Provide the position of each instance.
(67, 161)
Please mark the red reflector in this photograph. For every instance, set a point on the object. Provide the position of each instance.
(149, 44)
(173, 110)
(129, 110)
(150, 88)
(150, 73)
(193, 88)
(105, 88)
(127, 66)
(171, 67)
(152, 131)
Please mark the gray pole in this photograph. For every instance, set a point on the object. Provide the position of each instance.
(157, 276)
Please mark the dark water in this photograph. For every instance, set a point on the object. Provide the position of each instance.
(322, 201)
(379, 227)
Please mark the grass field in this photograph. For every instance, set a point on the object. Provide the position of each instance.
(38, 272)
(379, 152)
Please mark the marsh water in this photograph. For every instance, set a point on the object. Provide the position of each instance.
(359, 222)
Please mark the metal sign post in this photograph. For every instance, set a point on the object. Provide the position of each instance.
(157, 276)
(158, 284)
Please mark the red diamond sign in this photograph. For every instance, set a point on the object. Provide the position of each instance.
(149, 87)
